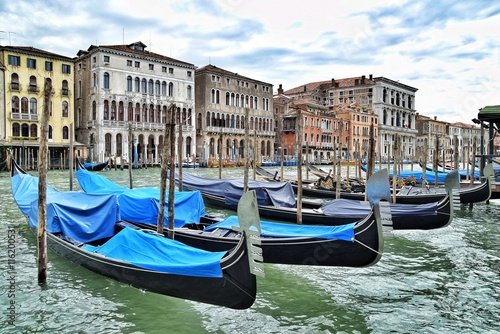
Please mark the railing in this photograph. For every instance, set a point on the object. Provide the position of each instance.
(24, 117)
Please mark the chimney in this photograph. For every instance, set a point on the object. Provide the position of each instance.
(356, 82)
(435, 118)
(305, 90)
(333, 82)
(371, 76)
(280, 89)
(362, 79)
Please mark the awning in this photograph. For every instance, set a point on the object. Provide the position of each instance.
(490, 114)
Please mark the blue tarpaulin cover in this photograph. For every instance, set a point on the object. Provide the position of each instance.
(271, 229)
(80, 216)
(360, 209)
(149, 251)
(268, 193)
(140, 205)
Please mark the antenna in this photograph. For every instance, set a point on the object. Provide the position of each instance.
(8, 32)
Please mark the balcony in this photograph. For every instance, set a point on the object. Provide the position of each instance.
(14, 86)
(24, 117)
(33, 89)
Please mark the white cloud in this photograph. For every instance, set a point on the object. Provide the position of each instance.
(448, 50)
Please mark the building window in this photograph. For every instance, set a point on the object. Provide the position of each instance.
(48, 66)
(94, 59)
(65, 132)
(14, 60)
(106, 80)
(33, 85)
(151, 67)
(65, 109)
(164, 69)
(65, 89)
(137, 84)
(106, 59)
(163, 88)
(170, 89)
(129, 84)
(66, 69)
(14, 81)
(189, 74)
(129, 63)
(189, 92)
(150, 86)
(33, 106)
(15, 104)
(170, 70)
(137, 64)
(50, 131)
(32, 63)
(144, 86)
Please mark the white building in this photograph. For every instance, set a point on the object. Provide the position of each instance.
(118, 86)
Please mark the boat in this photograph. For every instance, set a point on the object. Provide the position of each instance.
(265, 174)
(463, 173)
(85, 229)
(276, 201)
(95, 166)
(357, 244)
(403, 197)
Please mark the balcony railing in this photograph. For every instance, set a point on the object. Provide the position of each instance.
(23, 117)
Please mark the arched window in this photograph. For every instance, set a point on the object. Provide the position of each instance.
(137, 84)
(65, 88)
(170, 89)
(119, 144)
(130, 112)
(164, 88)
(129, 84)
(150, 86)
(107, 143)
(15, 104)
(24, 105)
(33, 130)
(121, 111)
(33, 106)
(227, 98)
(14, 81)
(157, 87)
(94, 80)
(106, 110)
(106, 80)
(113, 110)
(15, 129)
(65, 132)
(144, 86)
(33, 86)
(94, 111)
(207, 120)
(65, 109)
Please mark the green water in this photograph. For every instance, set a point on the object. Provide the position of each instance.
(438, 281)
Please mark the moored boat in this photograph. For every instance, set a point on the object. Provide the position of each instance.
(85, 229)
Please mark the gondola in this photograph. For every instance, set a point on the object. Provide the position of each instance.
(357, 244)
(95, 167)
(409, 194)
(277, 202)
(84, 228)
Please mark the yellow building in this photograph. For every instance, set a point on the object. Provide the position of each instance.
(24, 72)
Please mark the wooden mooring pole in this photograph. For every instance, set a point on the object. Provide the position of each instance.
(42, 185)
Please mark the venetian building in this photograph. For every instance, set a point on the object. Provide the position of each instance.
(123, 86)
(24, 73)
(225, 102)
(392, 102)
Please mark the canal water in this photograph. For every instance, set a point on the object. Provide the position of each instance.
(438, 281)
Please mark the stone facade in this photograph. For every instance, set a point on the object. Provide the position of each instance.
(224, 101)
(123, 86)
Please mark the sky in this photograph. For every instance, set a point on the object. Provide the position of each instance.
(448, 50)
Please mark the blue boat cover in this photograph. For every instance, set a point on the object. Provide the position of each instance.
(140, 205)
(25, 191)
(268, 193)
(80, 216)
(359, 209)
(271, 229)
(146, 250)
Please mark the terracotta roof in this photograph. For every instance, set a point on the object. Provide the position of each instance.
(347, 82)
(145, 53)
(214, 69)
(34, 51)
